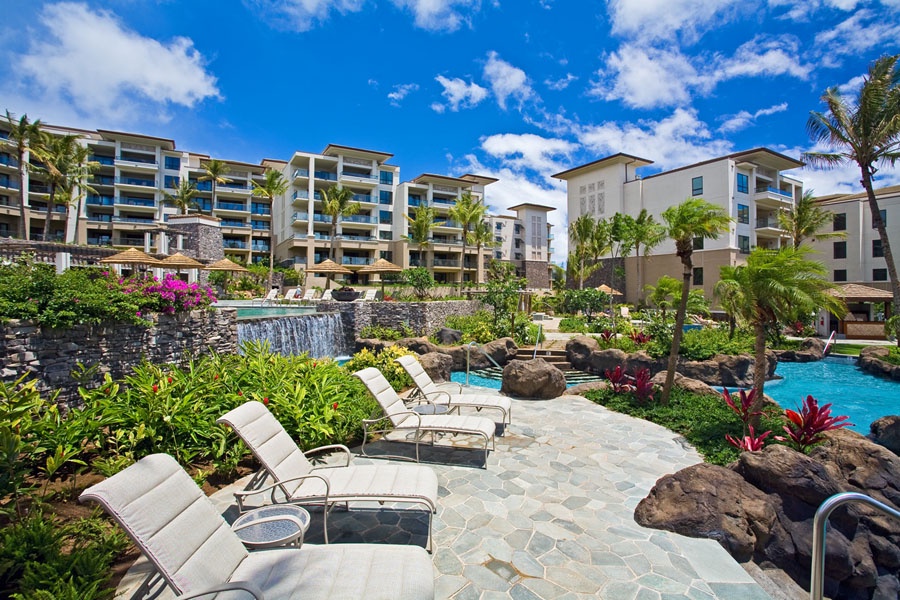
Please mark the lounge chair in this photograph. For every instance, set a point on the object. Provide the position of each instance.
(307, 297)
(269, 298)
(291, 296)
(195, 551)
(369, 296)
(401, 418)
(326, 296)
(428, 390)
(301, 483)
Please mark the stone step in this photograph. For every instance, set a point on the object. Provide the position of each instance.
(572, 376)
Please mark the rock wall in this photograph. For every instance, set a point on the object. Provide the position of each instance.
(871, 359)
(50, 355)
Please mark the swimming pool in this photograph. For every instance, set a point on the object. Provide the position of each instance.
(262, 312)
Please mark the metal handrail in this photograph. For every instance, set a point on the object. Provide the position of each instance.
(820, 523)
(469, 355)
(537, 342)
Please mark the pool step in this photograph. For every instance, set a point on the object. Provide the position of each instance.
(573, 377)
(554, 356)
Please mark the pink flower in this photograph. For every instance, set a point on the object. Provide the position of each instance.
(155, 388)
(334, 406)
(138, 313)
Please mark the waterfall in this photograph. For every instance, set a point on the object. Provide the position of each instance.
(319, 334)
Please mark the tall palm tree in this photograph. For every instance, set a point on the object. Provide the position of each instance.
(337, 204)
(59, 155)
(24, 135)
(865, 131)
(82, 169)
(183, 198)
(646, 234)
(806, 220)
(663, 294)
(481, 236)
(582, 235)
(420, 227)
(468, 211)
(216, 172)
(274, 185)
(691, 219)
(773, 286)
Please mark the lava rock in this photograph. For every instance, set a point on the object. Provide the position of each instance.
(579, 350)
(872, 359)
(438, 365)
(886, 432)
(448, 336)
(535, 378)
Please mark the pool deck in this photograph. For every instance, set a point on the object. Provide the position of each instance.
(550, 517)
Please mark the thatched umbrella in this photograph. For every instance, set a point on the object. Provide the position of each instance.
(225, 265)
(381, 266)
(612, 292)
(132, 256)
(327, 267)
(179, 261)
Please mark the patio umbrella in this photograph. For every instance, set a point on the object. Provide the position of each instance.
(225, 265)
(382, 266)
(132, 256)
(327, 267)
(608, 290)
(179, 261)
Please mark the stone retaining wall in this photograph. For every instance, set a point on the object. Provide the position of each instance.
(50, 355)
(423, 317)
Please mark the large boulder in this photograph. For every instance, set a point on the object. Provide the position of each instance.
(811, 349)
(872, 359)
(438, 365)
(535, 378)
(372, 344)
(737, 370)
(579, 350)
(447, 336)
(886, 432)
(693, 386)
(583, 388)
(502, 350)
(419, 345)
(606, 360)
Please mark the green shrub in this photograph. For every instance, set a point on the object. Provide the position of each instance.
(478, 327)
(893, 356)
(387, 333)
(703, 344)
(384, 362)
(572, 325)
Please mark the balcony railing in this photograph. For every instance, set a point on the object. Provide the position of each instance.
(101, 180)
(360, 219)
(136, 201)
(9, 161)
(100, 218)
(57, 208)
(260, 247)
(138, 159)
(136, 181)
(776, 191)
(100, 200)
(9, 184)
(319, 236)
(327, 175)
(363, 198)
(359, 175)
(443, 262)
(321, 218)
(300, 216)
(359, 238)
(446, 223)
(38, 188)
(415, 202)
(418, 262)
(261, 227)
(441, 240)
(234, 185)
(353, 260)
(444, 201)
(769, 222)
(234, 244)
(300, 173)
(260, 210)
(135, 242)
(139, 220)
(231, 206)
(233, 223)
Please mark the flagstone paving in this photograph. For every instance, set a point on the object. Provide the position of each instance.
(552, 514)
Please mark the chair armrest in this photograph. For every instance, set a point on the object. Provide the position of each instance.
(437, 393)
(342, 447)
(247, 586)
(458, 386)
(239, 496)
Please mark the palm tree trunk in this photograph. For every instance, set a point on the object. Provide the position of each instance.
(49, 212)
(687, 274)
(331, 251)
(640, 274)
(462, 264)
(760, 365)
(78, 217)
(24, 233)
(885, 241)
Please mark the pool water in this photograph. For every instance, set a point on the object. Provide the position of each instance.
(477, 380)
(851, 391)
(261, 312)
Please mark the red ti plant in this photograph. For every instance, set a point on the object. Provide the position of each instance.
(749, 443)
(619, 379)
(743, 411)
(606, 335)
(805, 428)
(639, 337)
(643, 387)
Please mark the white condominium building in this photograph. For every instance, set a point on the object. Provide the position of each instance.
(750, 186)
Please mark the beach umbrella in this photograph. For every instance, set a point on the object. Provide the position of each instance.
(225, 265)
(381, 266)
(132, 256)
(179, 261)
(608, 290)
(327, 267)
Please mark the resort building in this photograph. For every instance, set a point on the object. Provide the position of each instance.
(126, 206)
(751, 186)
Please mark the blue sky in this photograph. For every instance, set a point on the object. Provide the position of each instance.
(514, 89)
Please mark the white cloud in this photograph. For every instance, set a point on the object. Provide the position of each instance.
(302, 15)
(401, 91)
(843, 179)
(742, 119)
(801, 10)
(459, 93)
(94, 63)
(858, 34)
(851, 88)
(761, 56)
(440, 15)
(561, 83)
(506, 80)
(677, 140)
(665, 19)
(528, 151)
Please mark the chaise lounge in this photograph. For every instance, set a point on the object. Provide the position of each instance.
(197, 554)
(301, 483)
(428, 390)
(401, 418)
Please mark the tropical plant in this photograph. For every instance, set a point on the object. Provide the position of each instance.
(806, 220)
(337, 203)
(215, 172)
(865, 131)
(619, 379)
(421, 280)
(482, 236)
(662, 295)
(746, 412)
(503, 292)
(183, 198)
(750, 442)
(774, 285)
(693, 218)
(643, 388)
(805, 429)
(468, 211)
(59, 155)
(646, 234)
(24, 135)
(581, 236)
(274, 185)
(82, 168)
(421, 226)
(621, 228)
(384, 362)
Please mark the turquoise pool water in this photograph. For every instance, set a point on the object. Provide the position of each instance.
(261, 312)
(486, 382)
(852, 392)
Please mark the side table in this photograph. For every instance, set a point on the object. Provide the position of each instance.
(272, 526)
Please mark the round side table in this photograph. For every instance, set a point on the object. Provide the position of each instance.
(272, 526)
(431, 409)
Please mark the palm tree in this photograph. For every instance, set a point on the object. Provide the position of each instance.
(582, 233)
(806, 221)
(338, 203)
(216, 171)
(183, 198)
(663, 294)
(24, 135)
(481, 236)
(274, 185)
(82, 169)
(691, 219)
(865, 131)
(773, 286)
(468, 211)
(646, 234)
(420, 228)
(59, 155)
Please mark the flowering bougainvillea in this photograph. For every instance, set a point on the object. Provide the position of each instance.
(173, 295)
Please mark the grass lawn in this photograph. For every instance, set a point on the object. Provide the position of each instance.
(851, 349)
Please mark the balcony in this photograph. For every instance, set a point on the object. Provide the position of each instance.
(322, 218)
(444, 201)
(233, 206)
(9, 184)
(260, 210)
(139, 202)
(447, 223)
(768, 227)
(38, 188)
(260, 247)
(445, 262)
(326, 175)
(364, 198)
(359, 238)
(418, 262)
(201, 186)
(130, 242)
(137, 160)
(361, 219)
(95, 200)
(772, 197)
(234, 244)
(234, 185)
(260, 227)
(41, 207)
(234, 223)
(101, 180)
(300, 174)
(137, 181)
(100, 218)
(415, 202)
(356, 261)
(9, 161)
(135, 220)
(300, 217)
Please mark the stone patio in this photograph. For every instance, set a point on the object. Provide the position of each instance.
(550, 517)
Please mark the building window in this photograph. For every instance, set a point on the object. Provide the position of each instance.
(697, 186)
(743, 214)
(385, 217)
(384, 235)
(743, 183)
(386, 177)
(173, 163)
(698, 275)
(840, 274)
(840, 250)
(498, 255)
(877, 249)
(883, 213)
(744, 244)
(171, 181)
(840, 221)
(387, 255)
(698, 243)
(498, 226)
(385, 197)
(879, 274)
